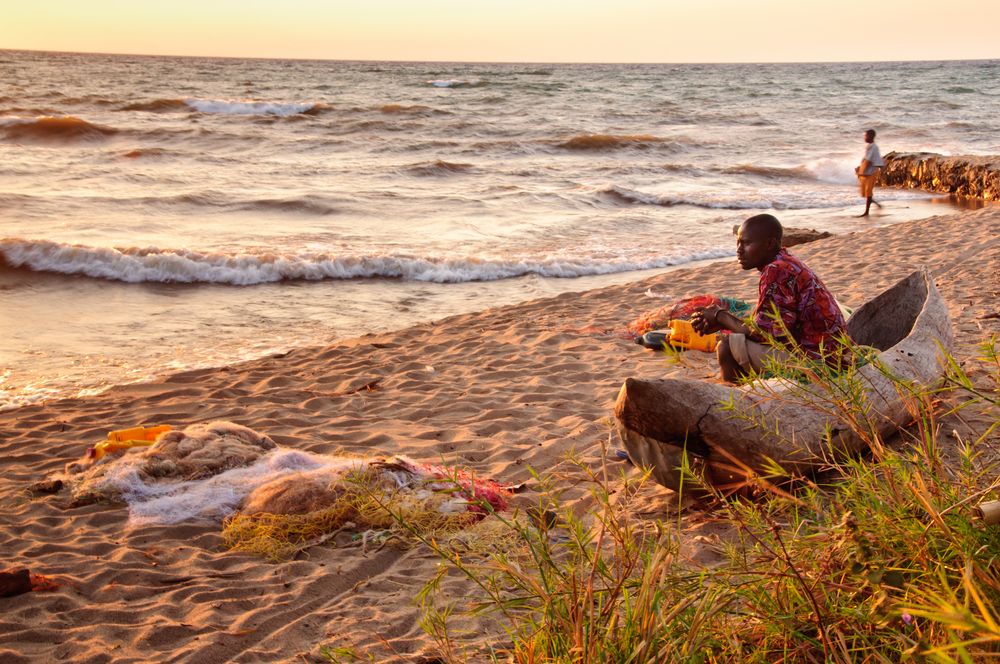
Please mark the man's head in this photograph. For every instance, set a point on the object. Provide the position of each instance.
(758, 241)
(870, 136)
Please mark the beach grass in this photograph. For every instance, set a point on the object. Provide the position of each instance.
(875, 559)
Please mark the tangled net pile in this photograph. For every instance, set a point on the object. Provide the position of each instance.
(383, 497)
(277, 501)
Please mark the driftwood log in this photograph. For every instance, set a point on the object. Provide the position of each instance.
(795, 425)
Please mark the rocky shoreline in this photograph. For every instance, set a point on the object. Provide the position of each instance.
(963, 176)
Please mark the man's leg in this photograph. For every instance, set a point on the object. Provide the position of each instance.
(863, 187)
(728, 366)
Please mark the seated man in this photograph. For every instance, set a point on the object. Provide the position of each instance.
(809, 314)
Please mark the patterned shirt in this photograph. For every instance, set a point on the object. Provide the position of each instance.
(808, 310)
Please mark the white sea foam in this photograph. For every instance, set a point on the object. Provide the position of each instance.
(151, 264)
(455, 83)
(834, 171)
(249, 107)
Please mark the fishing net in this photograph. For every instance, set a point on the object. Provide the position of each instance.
(393, 498)
(276, 501)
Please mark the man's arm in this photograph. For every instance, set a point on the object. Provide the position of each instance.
(715, 318)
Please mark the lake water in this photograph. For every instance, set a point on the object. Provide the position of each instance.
(161, 213)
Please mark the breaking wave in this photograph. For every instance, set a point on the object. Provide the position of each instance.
(63, 128)
(152, 264)
(456, 83)
(229, 107)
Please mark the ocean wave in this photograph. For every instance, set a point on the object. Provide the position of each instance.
(960, 90)
(80, 101)
(158, 106)
(412, 109)
(228, 107)
(145, 153)
(64, 128)
(216, 199)
(613, 141)
(936, 103)
(771, 172)
(437, 167)
(756, 200)
(834, 171)
(208, 198)
(306, 204)
(151, 264)
(456, 83)
(29, 112)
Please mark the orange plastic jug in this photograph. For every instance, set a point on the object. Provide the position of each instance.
(683, 335)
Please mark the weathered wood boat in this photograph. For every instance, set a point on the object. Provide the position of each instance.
(781, 421)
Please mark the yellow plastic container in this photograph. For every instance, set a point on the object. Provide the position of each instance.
(123, 439)
(137, 433)
(683, 335)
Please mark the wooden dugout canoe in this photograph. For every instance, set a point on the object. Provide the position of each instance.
(658, 419)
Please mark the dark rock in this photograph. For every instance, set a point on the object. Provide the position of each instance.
(793, 236)
(967, 177)
(15, 582)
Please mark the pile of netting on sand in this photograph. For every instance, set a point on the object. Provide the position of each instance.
(276, 501)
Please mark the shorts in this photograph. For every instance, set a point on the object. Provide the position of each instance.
(867, 184)
(750, 354)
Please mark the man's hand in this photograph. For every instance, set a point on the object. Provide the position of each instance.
(706, 321)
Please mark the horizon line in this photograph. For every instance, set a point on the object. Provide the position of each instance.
(494, 62)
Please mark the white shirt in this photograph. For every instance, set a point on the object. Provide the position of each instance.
(874, 159)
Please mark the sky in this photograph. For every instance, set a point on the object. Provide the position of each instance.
(513, 30)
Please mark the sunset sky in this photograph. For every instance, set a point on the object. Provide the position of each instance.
(513, 30)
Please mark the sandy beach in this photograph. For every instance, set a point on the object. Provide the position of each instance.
(500, 392)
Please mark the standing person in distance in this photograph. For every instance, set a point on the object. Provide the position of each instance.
(868, 170)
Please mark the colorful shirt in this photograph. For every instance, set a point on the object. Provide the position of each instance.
(808, 310)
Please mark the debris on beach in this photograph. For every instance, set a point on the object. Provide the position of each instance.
(19, 581)
(276, 501)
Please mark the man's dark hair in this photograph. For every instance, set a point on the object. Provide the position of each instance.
(870, 131)
(767, 223)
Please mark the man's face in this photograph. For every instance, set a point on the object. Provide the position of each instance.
(869, 137)
(754, 248)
